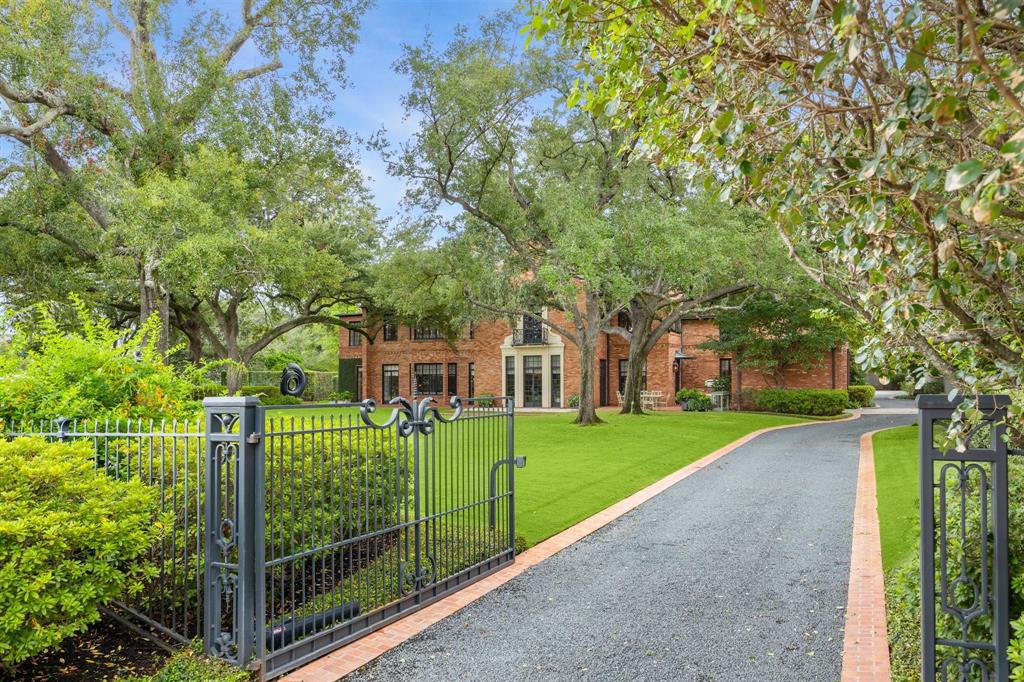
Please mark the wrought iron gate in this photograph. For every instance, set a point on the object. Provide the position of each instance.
(964, 546)
(322, 528)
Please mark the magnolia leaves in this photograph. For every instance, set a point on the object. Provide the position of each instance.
(963, 174)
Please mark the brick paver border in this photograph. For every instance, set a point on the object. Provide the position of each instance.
(866, 642)
(348, 658)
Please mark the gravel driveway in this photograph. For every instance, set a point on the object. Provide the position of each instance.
(738, 572)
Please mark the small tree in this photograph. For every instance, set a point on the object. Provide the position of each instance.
(772, 334)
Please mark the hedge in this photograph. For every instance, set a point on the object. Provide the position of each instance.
(696, 401)
(861, 395)
(71, 539)
(809, 401)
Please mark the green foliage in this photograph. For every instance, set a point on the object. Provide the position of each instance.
(85, 370)
(276, 360)
(573, 400)
(861, 395)
(809, 401)
(485, 400)
(924, 386)
(906, 203)
(903, 597)
(342, 396)
(189, 665)
(722, 383)
(696, 401)
(71, 539)
(770, 334)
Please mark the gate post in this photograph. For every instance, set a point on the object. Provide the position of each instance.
(233, 486)
(963, 654)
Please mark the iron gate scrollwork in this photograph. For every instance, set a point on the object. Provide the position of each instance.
(329, 521)
(964, 545)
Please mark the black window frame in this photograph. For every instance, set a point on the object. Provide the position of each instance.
(390, 331)
(556, 380)
(423, 372)
(453, 378)
(426, 334)
(623, 368)
(725, 367)
(354, 338)
(384, 376)
(471, 380)
(510, 377)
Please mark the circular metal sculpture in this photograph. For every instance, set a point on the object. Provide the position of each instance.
(293, 380)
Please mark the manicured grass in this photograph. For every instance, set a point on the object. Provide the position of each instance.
(896, 477)
(573, 472)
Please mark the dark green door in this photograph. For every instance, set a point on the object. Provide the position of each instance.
(349, 371)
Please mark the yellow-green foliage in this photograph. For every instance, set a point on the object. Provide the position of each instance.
(86, 370)
(71, 539)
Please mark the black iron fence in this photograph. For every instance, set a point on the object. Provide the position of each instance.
(965, 576)
(298, 529)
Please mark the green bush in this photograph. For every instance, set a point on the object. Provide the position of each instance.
(809, 401)
(189, 665)
(485, 400)
(341, 396)
(260, 390)
(573, 401)
(696, 401)
(86, 370)
(71, 539)
(903, 596)
(861, 395)
(722, 383)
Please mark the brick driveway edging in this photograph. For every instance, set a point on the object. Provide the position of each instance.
(350, 657)
(866, 639)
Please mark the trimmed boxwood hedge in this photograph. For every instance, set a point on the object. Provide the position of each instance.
(861, 395)
(810, 401)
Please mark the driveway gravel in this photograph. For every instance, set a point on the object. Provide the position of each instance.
(738, 572)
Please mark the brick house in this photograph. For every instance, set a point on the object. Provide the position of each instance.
(534, 364)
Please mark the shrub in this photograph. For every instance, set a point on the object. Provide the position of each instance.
(71, 539)
(809, 401)
(573, 401)
(485, 400)
(260, 390)
(89, 371)
(189, 665)
(861, 395)
(722, 383)
(341, 396)
(696, 401)
(903, 596)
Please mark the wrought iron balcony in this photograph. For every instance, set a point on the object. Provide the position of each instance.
(529, 337)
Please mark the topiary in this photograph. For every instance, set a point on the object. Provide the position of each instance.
(71, 539)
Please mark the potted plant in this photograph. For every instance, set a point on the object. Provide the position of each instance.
(692, 400)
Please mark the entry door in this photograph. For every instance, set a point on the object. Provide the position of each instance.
(603, 396)
(533, 379)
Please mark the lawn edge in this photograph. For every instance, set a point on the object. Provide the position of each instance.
(351, 657)
(866, 636)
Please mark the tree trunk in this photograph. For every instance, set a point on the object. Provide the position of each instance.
(638, 352)
(587, 413)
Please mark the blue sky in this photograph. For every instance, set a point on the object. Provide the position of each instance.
(372, 100)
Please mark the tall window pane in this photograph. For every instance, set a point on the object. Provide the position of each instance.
(453, 378)
(389, 382)
(354, 338)
(390, 331)
(556, 381)
(471, 386)
(510, 377)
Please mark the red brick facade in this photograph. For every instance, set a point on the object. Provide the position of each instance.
(675, 362)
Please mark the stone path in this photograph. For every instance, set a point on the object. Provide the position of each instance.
(738, 572)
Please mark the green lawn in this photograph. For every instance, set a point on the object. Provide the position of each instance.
(897, 476)
(573, 472)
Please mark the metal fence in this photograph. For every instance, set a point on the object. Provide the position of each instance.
(298, 529)
(965, 575)
(171, 456)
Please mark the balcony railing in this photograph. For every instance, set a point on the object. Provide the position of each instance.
(529, 337)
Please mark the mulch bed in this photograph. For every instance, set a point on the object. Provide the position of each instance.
(105, 651)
